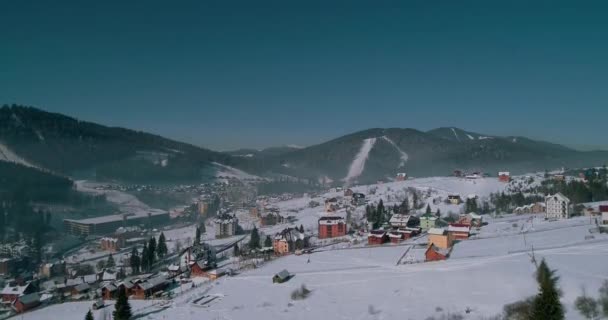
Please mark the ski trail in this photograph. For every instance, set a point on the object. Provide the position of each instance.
(8, 155)
(358, 164)
(402, 154)
(456, 135)
(470, 137)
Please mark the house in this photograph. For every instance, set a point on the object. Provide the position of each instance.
(149, 287)
(537, 207)
(395, 236)
(427, 221)
(110, 244)
(271, 219)
(557, 206)
(12, 291)
(401, 176)
(377, 237)
(50, 270)
(109, 291)
(7, 265)
(98, 304)
(358, 199)
(225, 225)
(288, 241)
(459, 231)
(434, 253)
(331, 227)
(504, 176)
(454, 199)
(348, 192)
(26, 302)
(281, 277)
(440, 238)
(331, 205)
(201, 269)
(559, 177)
(399, 220)
(80, 289)
(604, 212)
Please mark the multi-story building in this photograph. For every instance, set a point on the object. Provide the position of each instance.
(331, 227)
(225, 225)
(557, 206)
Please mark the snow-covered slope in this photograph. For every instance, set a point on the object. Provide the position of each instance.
(402, 154)
(358, 164)
(7, 155)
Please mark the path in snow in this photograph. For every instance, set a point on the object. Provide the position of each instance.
(402, 154)
(358, 164)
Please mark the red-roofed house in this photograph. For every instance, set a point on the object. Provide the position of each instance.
(459, 231)
(433, 253)
(377, 237)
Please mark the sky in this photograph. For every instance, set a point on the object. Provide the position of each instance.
(233, 74)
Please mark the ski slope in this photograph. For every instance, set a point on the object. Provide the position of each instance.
(358, 164)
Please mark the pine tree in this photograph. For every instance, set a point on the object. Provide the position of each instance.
(268, 242)
(202, 228)
(236, 250)
(162, 246)
(110, 263)
(405, 206)
(197, 236)
(144, 261)
(122, 309)
(428, 209)
(254, 241)
(151, 251)
(301, 228)
(546, 305)
(135, 261)
(438, 213)
(89, 316)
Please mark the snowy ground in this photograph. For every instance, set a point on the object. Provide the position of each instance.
(367, 283)
(77, 310)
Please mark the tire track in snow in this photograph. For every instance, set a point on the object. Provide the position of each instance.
(358, 164)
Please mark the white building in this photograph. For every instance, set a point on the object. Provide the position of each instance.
(399, 220)
(225, 226)
(557, 206)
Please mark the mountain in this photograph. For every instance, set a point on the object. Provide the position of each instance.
(268, 152)
(75, 148)
(373, 154)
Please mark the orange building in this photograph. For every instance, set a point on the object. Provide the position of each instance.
(331, 227)
(440, 238)
(433, 253)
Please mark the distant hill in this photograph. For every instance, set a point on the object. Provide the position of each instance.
(77, 148)
(436, 152)
(64, 145)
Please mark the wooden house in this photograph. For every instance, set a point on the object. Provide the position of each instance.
(434, 253)
(377, 237)
(26, 302)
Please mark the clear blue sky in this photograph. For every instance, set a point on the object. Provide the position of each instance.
(229, 74)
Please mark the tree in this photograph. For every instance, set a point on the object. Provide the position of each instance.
(151, 251)
(202, 228)
(197, 236)
(438, 213)
(122, 308)
(603, 300)
(144, 261)
(110, 263)
(89, 316)
(236, 250)
(546, 305)
(162, 246)
(405, 206)
(254, 241)
(101, 265)
(135, 261)
(267, 242)
(587, 306)
(428, 209)
(301, 228)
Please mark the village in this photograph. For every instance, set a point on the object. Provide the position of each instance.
(159, 258)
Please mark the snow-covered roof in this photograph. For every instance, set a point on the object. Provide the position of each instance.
(452, 228)
(559, 197)
(331, 220)
(16, 290)
(399, 218)
(436, 231)
(504, 173)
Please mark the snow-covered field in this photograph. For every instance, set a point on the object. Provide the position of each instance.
(367, 284)
(77, 310)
